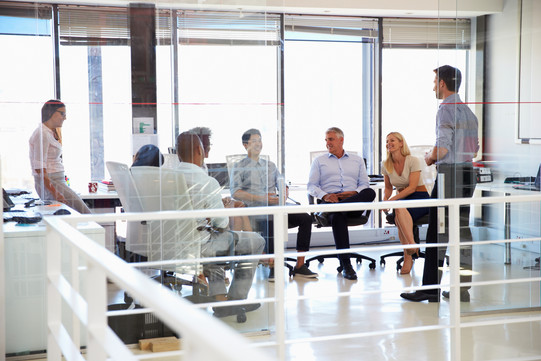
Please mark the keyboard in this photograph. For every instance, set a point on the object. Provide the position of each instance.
(26, 217)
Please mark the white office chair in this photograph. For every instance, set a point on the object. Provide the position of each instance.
(165, 190)
(428, 173)
(232, 159)
(170, 161)
(140, 190)
(136, 233)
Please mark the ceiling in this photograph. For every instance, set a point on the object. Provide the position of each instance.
(387, 8)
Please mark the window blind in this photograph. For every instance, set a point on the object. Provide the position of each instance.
(25, 19)
(356, 29)
(233, 28)
(427, 33)
(80, 25)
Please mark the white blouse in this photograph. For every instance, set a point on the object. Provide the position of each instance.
(411, 164)
(45, 151)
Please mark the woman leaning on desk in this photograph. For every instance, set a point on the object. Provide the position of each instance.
(403, 171)
(46, 158)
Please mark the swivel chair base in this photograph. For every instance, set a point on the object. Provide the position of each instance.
(358, 259)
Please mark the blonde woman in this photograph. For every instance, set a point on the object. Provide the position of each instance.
(402, 171)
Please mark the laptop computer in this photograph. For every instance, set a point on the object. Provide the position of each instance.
(8, 203)
(535, 186)
(219, 172)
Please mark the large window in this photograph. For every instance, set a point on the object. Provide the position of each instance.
(412, 49)
(228, 79)
(26, 70)
(95, 82)
(327, 85)
(409, 104)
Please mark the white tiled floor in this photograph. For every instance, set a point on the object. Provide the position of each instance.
(325, 314)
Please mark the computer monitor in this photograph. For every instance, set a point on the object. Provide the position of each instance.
(220, 173)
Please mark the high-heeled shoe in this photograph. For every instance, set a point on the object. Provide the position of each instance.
(407, 264)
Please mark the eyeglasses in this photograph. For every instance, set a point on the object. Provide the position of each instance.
(62, 113)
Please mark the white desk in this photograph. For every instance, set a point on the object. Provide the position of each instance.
(104, 201)
(25, 279)
(505, 189)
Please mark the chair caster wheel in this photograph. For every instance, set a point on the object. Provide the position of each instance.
(241, 316)
(127, 299)
(321, 259)
(382, 263)
(340, 269)
(372, 265)
(398, 267)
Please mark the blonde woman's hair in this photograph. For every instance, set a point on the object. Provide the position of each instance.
(388, 163)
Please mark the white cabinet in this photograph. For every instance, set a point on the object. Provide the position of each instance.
(25, 283)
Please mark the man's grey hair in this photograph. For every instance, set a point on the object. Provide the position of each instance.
(336, 130)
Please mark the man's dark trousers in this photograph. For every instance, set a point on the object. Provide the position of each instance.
(459, 182)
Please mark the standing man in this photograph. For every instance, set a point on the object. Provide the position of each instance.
(255, 181)
(339, 177)
(215, 238)
(456, 145)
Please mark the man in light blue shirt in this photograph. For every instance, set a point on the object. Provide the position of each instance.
(254, 181)
(456, 145)
(340, 177)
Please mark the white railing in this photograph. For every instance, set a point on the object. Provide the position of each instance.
(204, 337)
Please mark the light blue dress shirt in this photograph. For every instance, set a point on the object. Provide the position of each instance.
(456, 131)
(330, 174)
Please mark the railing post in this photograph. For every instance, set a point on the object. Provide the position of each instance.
(97, 308)
(454, 263)
(280, 234)
(75, 324)
(54, 301)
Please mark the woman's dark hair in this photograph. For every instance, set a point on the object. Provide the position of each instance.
(148, 155)
(48, 109)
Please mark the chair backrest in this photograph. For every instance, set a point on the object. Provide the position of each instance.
(232, 159)
(170, 161)
(163, 189)
(428, 173)
(136, 231)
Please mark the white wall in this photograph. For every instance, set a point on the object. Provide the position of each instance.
(501, 82)
(501, 86)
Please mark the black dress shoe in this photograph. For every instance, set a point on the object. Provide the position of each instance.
(419, 296)
(251, 307)
(235, 310)
(349, 273)
(227, 311)
(464, 295)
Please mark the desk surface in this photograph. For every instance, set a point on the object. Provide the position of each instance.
(499, 186)
(100, 194)
(13, 229)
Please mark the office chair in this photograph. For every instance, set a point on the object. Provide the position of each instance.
(416, 224)
(140, 190)
(352, 221)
